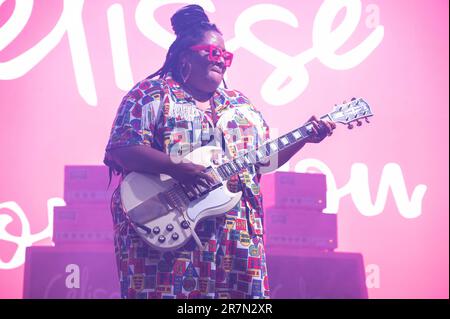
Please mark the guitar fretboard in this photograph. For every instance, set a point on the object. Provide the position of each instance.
(265, 151)
(344, 113)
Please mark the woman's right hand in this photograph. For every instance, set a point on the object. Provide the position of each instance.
(143, 158)
(188, 173)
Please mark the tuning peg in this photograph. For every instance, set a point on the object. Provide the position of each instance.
(367, 120)
(353, 98)
(358, 122)
(350, 126)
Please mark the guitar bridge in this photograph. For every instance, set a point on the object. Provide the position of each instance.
(175, 198)
(165, 200)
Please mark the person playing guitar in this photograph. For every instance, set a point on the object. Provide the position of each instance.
(173, 112)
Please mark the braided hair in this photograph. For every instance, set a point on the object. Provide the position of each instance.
(190, 24)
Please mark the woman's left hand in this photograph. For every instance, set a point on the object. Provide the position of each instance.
(320, 130)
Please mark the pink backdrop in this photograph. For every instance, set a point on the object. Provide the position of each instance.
(62, 80)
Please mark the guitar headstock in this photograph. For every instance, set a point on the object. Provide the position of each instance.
(351, 112)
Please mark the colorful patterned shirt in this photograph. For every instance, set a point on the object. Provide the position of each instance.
(160, 114)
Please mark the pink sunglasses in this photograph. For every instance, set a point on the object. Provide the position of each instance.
(215, 53)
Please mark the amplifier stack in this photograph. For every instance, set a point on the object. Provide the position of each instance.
(82, 263)
(301, 239)
(294, 217)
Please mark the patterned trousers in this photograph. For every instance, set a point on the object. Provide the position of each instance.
(233, 265)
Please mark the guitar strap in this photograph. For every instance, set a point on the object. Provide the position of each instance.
(213, 111)
(242, 176)
(165, 113)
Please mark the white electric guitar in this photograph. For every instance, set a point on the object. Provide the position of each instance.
(165, 212)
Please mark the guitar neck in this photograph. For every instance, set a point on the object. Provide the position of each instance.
(265, 151)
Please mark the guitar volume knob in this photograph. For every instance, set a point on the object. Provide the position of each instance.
(161, 238)
(156, 230)
(169, 227)
(175, 236)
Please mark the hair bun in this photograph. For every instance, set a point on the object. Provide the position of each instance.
(188, 17)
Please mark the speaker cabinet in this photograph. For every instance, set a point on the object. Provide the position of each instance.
(316, 275)
(71, 272)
